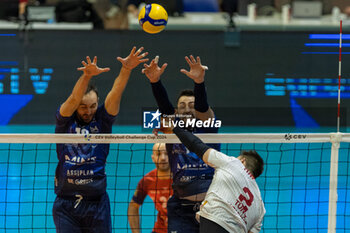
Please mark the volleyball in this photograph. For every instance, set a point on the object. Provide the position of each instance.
(153, 18)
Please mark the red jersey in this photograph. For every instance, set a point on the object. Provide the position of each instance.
(159, 190)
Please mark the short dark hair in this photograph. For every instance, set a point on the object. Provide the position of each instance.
(91, 87)
(185, 92)
(254, 162)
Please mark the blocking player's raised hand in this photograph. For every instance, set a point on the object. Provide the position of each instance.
(197, 70)
(134, 58)
(153, 71)
(91, 69)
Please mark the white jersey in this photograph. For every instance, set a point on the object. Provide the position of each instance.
(233, 200)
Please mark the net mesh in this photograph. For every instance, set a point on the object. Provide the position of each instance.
(294, 185)
(343, 206)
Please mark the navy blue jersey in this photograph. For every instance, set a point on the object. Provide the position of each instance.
(81, 167)
(190, 174)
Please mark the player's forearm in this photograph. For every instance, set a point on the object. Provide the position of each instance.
(192, 142)
(161, 96)
(134, 224)
(203, 111)
(112, 102)
(73, 101)
(200, 95)
(134, 218)
(81, 87)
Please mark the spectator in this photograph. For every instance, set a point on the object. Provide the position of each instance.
(22, 7)
(327, 5)
(343, 5)
(229, 6)
(264, 7)
(114, 10)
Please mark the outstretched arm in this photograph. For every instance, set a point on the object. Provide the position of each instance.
(197, 73)
(193, 143)
(112, 102)
(153, 73)
(89, 69)
(134, 217)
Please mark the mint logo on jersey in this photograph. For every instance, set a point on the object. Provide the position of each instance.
(151, 120)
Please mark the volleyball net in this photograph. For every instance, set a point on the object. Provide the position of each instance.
(305, 184)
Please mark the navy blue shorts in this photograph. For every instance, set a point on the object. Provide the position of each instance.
(182, 215)
(89, 215)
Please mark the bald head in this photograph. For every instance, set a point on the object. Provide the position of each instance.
(160, 157)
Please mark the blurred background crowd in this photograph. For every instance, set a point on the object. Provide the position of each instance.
(112, 14)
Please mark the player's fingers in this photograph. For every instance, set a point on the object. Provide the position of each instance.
(81, 68)
(84, 63)
(153, 63)
(143, 55)
(105, 69)
(156, 59)
(188, 61)
(95, 60)
(88, 60)
(199, 60)
(133, 50)
(163, 67)
(120, 59)
(144, 60)
(184, 71)
(143, 71)
(205, 67)
(192, 59)
(139, 51)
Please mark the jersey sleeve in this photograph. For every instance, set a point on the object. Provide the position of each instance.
(140, 193)
(218, 159)
(105, 119)
(105, 115)
(61, 122)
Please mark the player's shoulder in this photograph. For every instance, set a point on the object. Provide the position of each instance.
(101, 110)
(148, 179)
(63, 123)
(220, 155)
(152, 175)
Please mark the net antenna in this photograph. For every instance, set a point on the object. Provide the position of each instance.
(339, 80)
(333, 176)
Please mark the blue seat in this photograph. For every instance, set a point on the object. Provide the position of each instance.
(201, 5)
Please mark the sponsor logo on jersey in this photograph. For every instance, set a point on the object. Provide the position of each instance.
(80, 181)
(80, 172)
(187, 166)
(77, 160)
